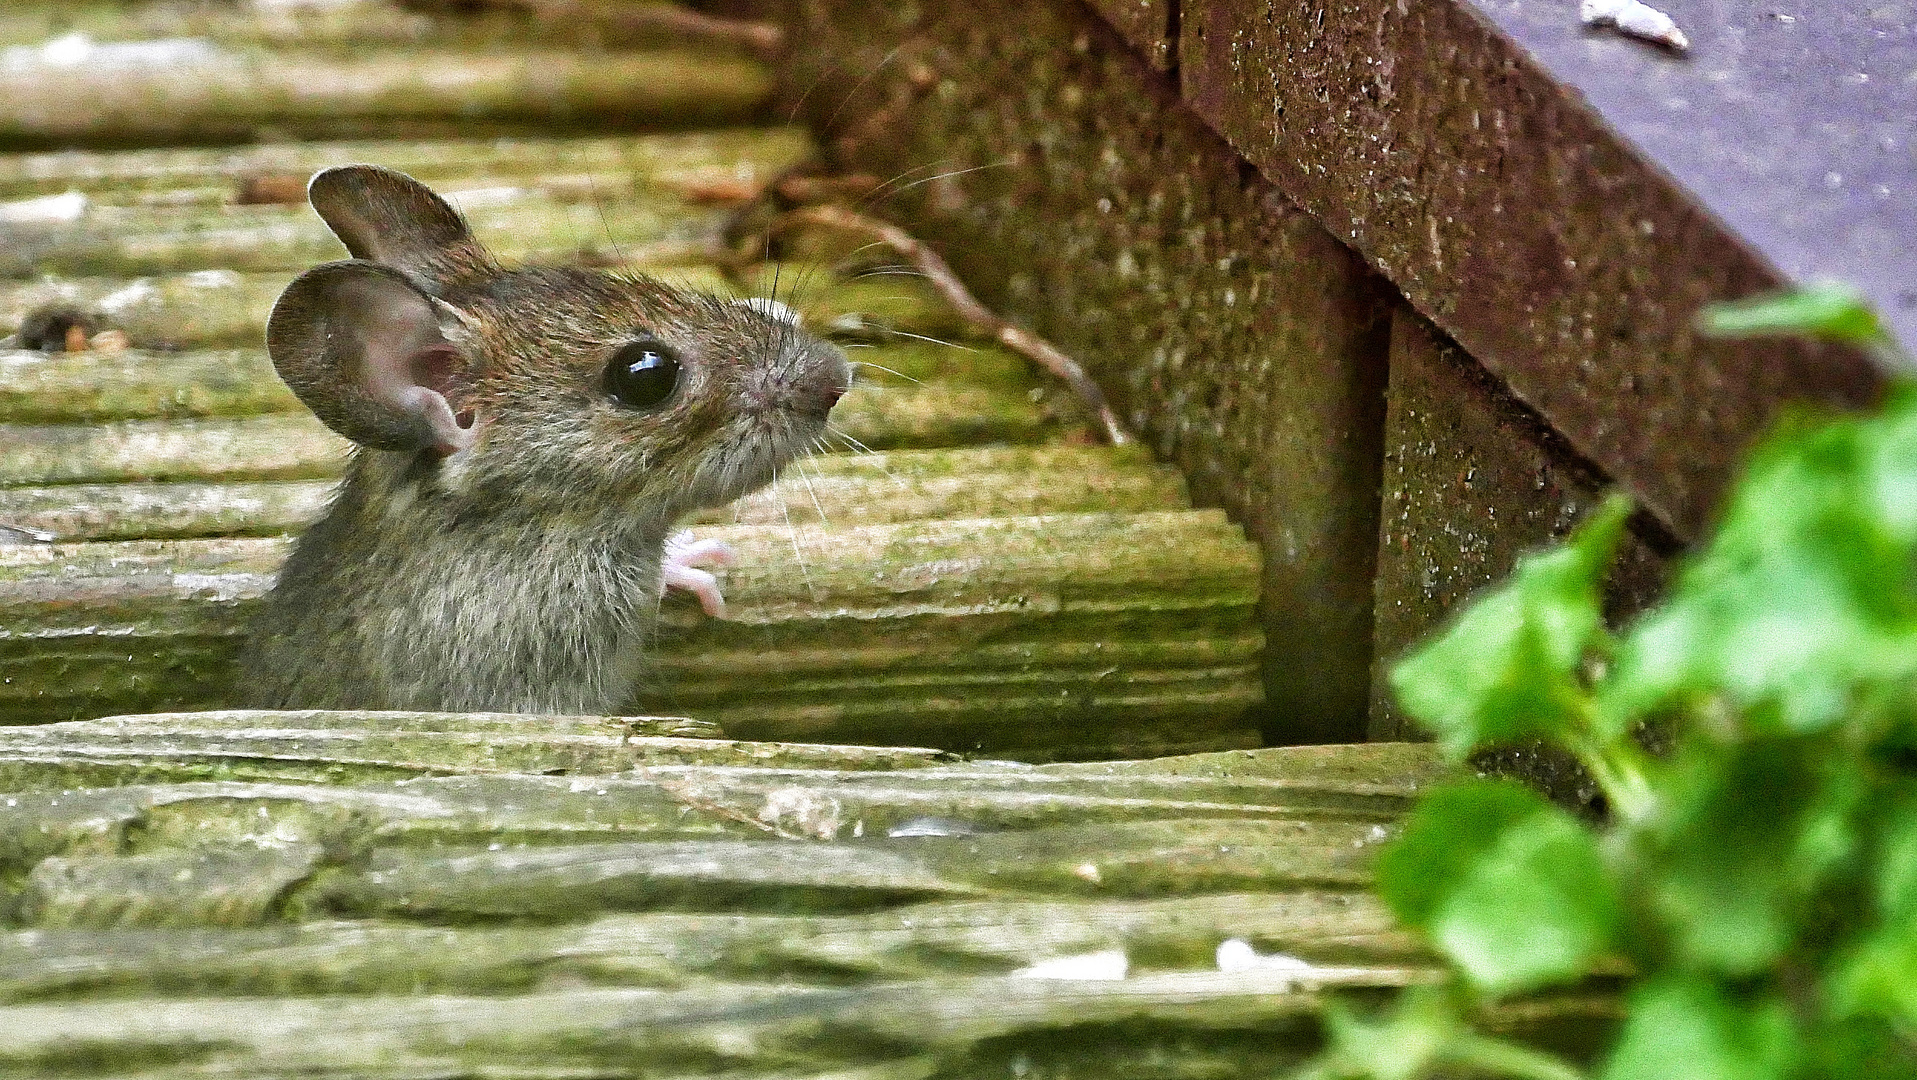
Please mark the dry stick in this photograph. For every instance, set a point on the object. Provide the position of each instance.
(939, 273)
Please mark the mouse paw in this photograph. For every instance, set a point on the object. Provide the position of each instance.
(684, 558)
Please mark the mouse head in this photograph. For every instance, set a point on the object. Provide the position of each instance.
(552, 389)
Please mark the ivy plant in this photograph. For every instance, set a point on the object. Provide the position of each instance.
(1757, 881)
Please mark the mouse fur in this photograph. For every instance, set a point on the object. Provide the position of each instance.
(498, 541)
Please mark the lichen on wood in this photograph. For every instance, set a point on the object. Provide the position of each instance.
(663, 163)
(220, 93)
(830, 489)
(108, 240)
(1006, 632)
(674, 949)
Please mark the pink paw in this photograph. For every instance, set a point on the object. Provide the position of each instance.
(684, 557)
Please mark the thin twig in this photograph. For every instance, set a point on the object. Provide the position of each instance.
(976, 315)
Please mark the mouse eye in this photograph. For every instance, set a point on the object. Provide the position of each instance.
(642, 373)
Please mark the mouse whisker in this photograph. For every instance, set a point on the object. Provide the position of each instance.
(798, 552)
(933, 340)
(942, 176)
(860, 85)
(848, 440)
(880, 190)
(863, 248)
(888, 371)
(824, 518)
(592, 192)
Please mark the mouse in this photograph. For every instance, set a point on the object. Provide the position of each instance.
(525, 442)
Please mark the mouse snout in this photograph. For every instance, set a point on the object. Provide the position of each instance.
(810, 387)
(816, 400)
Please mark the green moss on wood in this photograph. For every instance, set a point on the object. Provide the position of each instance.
(665, 164)
(38, 388)
(240, 94)
(665, 950)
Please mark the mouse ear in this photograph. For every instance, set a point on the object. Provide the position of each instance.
(391, 218)
(361, 346)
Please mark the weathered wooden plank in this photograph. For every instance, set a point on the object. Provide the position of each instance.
(28, 754)
(83, 387)
(295, 446)
(207, 308)
(741, 1030)
(868, 306)
(242, 885)
(663, 949)
(346, 25)
(1094, 564)
(137, 511)
(286, 446)
(894, 358)
(1012, 633)
(518, 226)
(1122, 859)
(1078, 714)
(829, 489)
(209, 93)
(940, 414)
(666, 787)
(220, 308)
(974, 482)
(1091, 563)
(667, 163)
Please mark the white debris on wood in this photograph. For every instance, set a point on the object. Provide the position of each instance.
(1107, 966)
(79, 50)
(1635, 18)
(45, 209)
(1236, 954)
(934, 826)
(213, 279)
(120, 301)
(475, 198)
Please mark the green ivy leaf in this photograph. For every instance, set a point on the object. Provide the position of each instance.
(1747, 836)
(1858, 1050)
(1509, 887)
(1691, 1029)
(1402, 1044)
(1805, 601)
(1506, 668)
(1828, 310)
(1878, 976)
(1452, 826)
(1896, 855)
(1422, 1033)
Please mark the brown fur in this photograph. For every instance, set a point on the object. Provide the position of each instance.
(522, 574)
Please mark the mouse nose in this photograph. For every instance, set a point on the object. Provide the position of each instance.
(824, 377)
(817, 399)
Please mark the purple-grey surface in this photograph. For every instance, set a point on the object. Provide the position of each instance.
(1793, 121)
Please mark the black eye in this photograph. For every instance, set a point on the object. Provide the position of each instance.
(642, 374)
